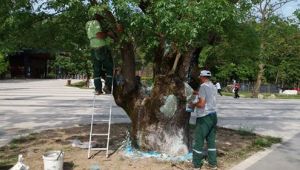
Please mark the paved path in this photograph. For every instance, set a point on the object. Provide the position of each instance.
(30, 105)
(279, 118)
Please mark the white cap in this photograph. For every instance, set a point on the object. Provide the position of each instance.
(205, 73)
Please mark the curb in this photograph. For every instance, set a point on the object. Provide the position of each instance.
(254, 158)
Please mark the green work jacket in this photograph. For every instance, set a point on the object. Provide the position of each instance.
(92, 28)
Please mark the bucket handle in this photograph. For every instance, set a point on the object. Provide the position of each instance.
(59, 155)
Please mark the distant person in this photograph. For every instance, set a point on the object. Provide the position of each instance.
(218, 86)
(236, 90)
(206, 122)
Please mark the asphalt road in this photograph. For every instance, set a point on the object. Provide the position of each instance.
(32, 105)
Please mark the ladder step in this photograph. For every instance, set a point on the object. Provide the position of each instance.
(100, 134)
(98, 149)
(104, 120)
(99, 114)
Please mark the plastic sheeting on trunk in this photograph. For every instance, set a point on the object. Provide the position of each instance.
(170, 106)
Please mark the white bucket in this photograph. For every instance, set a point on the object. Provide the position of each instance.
(53, 160)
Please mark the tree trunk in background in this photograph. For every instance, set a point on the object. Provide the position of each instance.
(257, 85)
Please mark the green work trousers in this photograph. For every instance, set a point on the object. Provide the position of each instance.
(205, 130)
(102, 67)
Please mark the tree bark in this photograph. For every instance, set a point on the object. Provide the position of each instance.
(160, 130)
(259, 78)
(157, 123)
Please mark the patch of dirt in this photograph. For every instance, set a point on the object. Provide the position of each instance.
(232, 148)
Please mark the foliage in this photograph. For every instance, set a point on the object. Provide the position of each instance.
(183, 24)
(282, 44)
(57, 26)
(3, 64)
(234, 57)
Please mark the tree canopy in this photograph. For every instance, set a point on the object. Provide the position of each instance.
(233, 27)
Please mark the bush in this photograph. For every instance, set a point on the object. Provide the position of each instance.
(266, 141)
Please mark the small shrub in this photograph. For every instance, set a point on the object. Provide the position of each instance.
(13, 146)
(246, 131)
(266, 141)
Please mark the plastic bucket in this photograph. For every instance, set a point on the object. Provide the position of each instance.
(53, 160)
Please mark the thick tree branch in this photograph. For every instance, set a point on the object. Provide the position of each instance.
(144, 5)
(93, 2)
(128, 67)
(175, 63)
(110, 18)
(267, 8)
(158, 56)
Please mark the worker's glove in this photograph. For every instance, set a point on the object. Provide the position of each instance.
(101, 35)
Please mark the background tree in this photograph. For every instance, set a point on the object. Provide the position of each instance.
(282, 68)
(54, 26)
(264, 12)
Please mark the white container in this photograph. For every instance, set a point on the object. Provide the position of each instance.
(53, 160)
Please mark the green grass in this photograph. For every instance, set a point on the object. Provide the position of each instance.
(8, 162)
(266, 95)
(266, 141)
(9, 153)
(280, 96)
(24, 139)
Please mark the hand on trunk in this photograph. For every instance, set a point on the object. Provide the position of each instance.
(101, 35)
(120, 28)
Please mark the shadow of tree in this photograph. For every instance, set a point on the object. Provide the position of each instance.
(69, 165)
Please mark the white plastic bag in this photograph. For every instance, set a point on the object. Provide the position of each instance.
(20, 165)
(83, 145)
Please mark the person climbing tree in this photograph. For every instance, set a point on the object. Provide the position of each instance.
(100, 41)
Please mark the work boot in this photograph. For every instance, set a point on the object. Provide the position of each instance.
(107, 90)
(98, 92)
(212, 167)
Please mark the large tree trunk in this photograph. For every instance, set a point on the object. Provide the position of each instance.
(157, 123)
(159, 120)
(161, 124)
(259, 78)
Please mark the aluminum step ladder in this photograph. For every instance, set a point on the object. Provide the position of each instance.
(94, 113)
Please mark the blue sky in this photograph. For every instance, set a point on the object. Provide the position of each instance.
(289, 8)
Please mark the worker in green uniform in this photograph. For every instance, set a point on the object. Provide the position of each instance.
(206, 122)
(100, 42)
